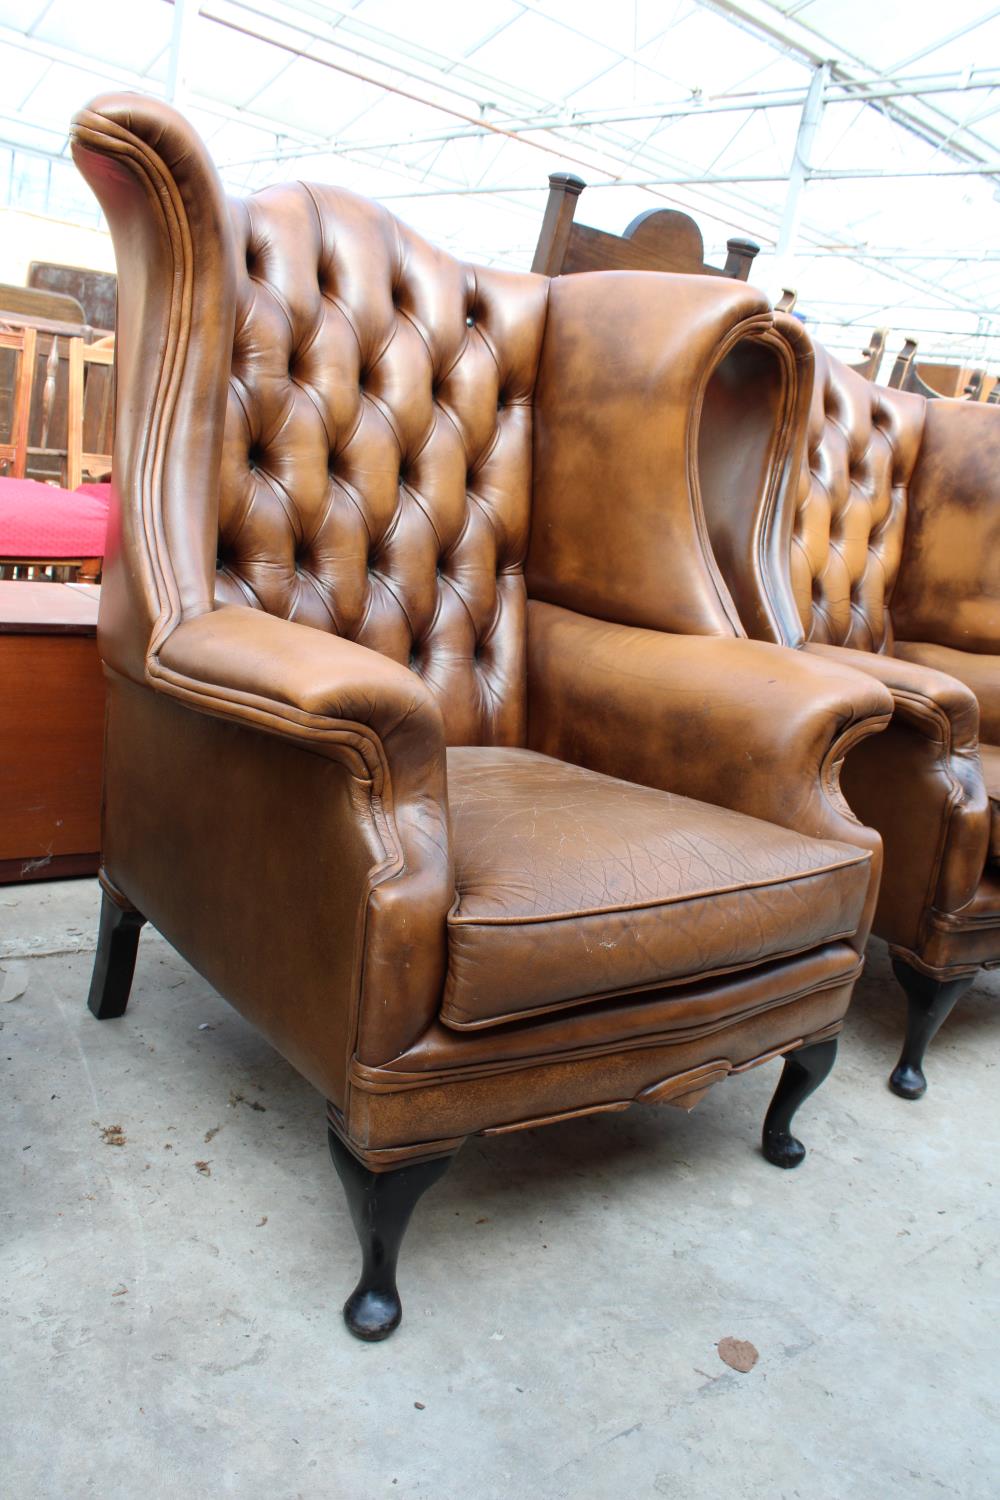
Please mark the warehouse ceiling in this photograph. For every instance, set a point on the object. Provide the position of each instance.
(454, 112)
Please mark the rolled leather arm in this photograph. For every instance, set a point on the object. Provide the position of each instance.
(741, 724)
(337, 698)
(925, 794)
(932, 703)
(980, 674)
(295, 680)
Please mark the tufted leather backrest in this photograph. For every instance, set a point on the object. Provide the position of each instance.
(376, 470)
(850, 515)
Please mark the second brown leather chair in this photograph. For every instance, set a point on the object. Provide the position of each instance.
(411, 749)
(882, 551)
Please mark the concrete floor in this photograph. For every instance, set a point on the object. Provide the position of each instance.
(170, 1331)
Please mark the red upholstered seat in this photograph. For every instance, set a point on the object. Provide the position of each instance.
(41, 521)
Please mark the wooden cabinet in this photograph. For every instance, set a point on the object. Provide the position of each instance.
(52, 714)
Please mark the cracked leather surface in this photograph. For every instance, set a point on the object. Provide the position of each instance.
(574, 884)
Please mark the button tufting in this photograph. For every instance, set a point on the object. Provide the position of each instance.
(469, 320)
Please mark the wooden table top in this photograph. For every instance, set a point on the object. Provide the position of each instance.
(48, 608)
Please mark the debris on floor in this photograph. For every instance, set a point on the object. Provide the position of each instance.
(738, 1354)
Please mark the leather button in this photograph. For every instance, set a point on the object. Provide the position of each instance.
(469, 320)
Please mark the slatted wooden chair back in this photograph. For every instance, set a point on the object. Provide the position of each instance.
(89, 410)
(15, 396)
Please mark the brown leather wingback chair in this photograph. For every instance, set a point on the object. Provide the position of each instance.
(427, 825)
(882, 551)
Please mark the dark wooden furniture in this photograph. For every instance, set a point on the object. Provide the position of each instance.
(908, 375)
(51, 748)
(96, 291)
(69, 426)
(663, 239)
(40, 304)
(15, 399)
(89, 417)
(871, 358)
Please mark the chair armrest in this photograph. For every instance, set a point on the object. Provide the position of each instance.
(925, 793)
(980, 674)
(335, 698)
(290, 679)
(741, 724)
(931, 702)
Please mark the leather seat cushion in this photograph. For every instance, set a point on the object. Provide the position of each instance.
(571, 886)
(991, 772)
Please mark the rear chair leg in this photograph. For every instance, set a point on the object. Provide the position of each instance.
(803, 1072)
(929, 1003)
(114, 961)
(381, 1204)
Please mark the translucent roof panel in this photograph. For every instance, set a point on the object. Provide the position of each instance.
(454, 113)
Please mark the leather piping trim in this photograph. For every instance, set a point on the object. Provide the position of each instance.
(751, 327)
(953, 971)
(651, 905)
(389, 1080)
(829, 771)
(690, 1086)
(781, 448)
(97, 133)
(112, 891)
(658, 986)
(387, 1157)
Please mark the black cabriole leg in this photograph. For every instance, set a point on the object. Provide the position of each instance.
(381, 1204)
(114, 961)
(803, 1072)
(929, 1002)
